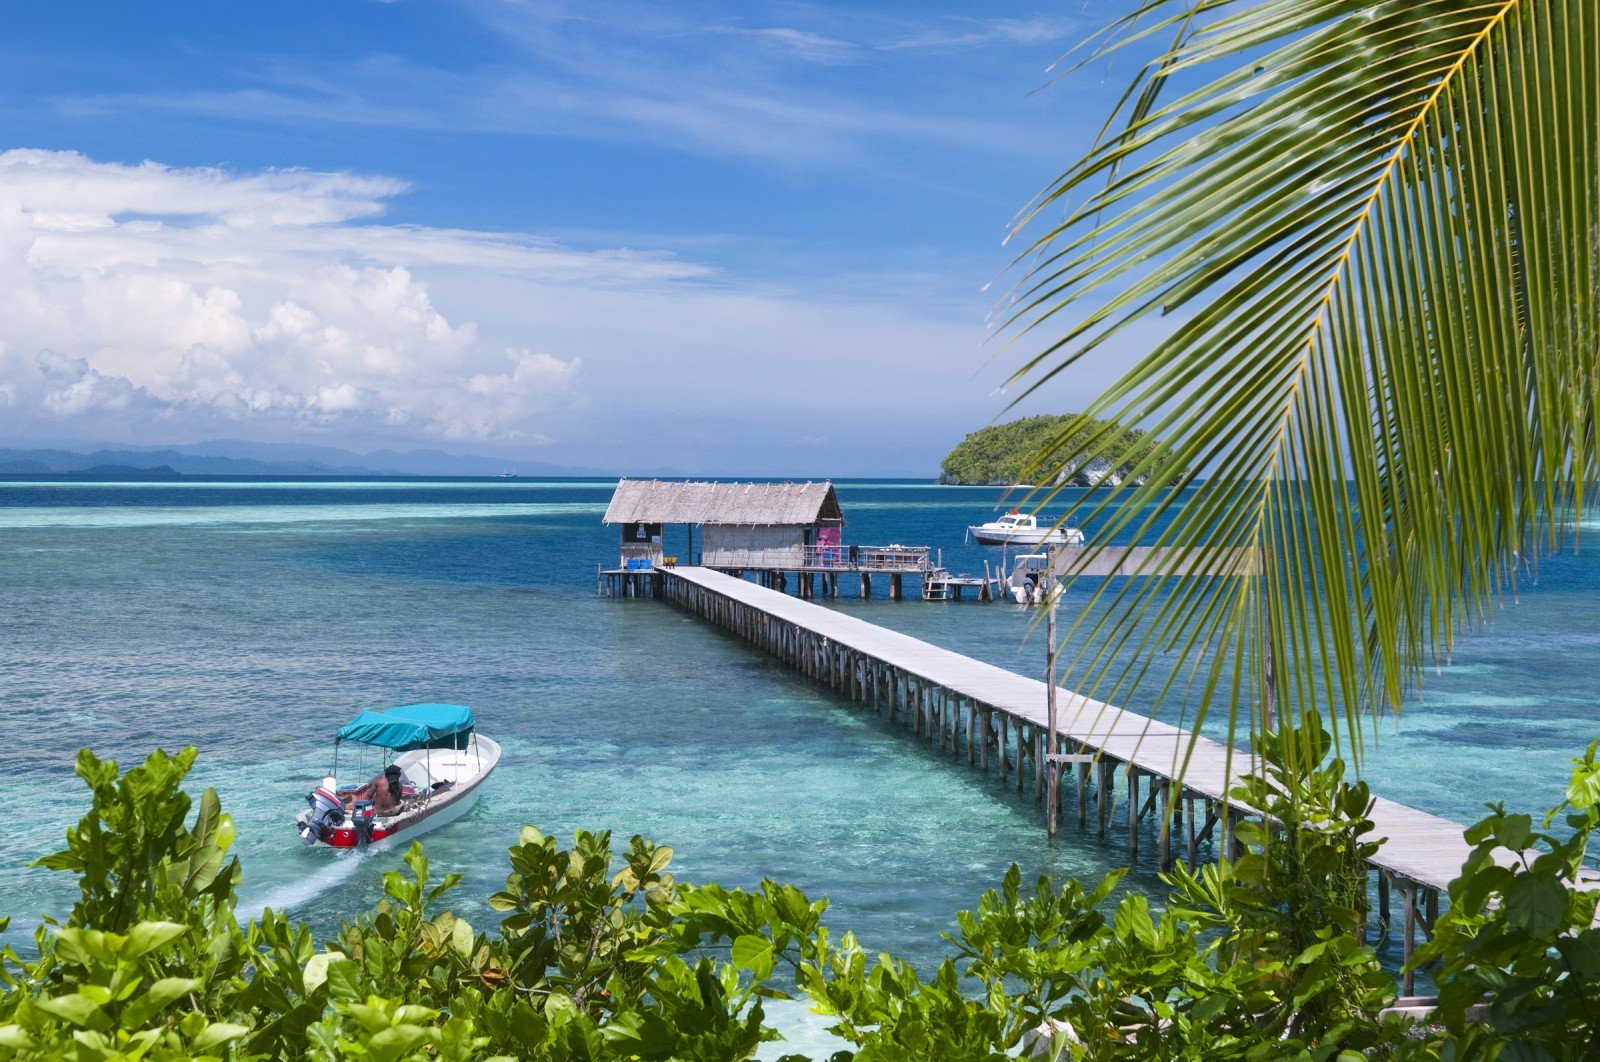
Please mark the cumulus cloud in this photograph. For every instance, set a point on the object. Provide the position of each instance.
(146, 303)
(72, 387)
(141, 293)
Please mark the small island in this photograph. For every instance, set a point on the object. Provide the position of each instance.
(998, 454)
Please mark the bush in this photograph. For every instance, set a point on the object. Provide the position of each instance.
(600, 956)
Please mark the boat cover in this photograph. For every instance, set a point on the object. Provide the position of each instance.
(412, 726)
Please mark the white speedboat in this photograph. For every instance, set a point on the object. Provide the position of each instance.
(1026, 582)
(1017, 528)
(433, 763)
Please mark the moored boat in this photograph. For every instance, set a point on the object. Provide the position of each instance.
(1022, 529)
(1026, 583)
(435, 763)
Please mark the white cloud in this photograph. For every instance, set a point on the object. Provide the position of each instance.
(146, 293)
(802, 44)
(974, 32)
(72, 387)
(286, 310)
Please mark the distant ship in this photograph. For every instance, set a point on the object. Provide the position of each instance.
(508, 474)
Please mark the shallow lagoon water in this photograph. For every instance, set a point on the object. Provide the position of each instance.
(252, 618)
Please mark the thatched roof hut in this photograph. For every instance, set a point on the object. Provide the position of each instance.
(756, 525)
(655, 501)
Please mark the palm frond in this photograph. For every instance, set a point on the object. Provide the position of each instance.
(1372, 227)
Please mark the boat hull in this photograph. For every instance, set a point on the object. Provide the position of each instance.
(439, 810)
(1032, 536)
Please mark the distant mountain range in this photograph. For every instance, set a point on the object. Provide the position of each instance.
(233, 457)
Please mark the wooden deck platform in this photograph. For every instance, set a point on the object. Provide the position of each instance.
(1177, 782)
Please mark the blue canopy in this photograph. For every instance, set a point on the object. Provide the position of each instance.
(412, 726)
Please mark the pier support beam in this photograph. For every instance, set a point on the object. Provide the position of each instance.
(940, 694)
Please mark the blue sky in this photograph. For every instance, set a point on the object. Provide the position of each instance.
(722, 237)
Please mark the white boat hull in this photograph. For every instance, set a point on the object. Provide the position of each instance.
(467, 769)
(1033, 536)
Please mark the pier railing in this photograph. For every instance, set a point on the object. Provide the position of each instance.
(830, 558)
(844, 558)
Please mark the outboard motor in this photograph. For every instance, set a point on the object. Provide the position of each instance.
(361, 813)
(327, 811)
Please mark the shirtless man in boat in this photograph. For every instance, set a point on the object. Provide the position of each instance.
(383, 791)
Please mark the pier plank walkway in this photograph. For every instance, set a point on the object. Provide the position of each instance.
(1004, 712)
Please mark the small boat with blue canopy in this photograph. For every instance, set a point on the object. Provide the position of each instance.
(430, 762)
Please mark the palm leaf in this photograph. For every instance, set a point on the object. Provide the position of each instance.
(1371, 229)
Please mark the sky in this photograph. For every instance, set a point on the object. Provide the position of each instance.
(760, 238)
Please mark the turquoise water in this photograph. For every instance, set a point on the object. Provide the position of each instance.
(252, 618)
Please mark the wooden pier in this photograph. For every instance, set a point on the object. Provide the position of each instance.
(1177, 784)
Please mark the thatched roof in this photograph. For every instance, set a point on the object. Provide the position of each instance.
(656, 501)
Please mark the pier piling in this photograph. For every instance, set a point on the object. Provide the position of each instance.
(1179, 785)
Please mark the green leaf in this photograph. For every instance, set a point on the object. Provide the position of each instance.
(1514, 831)
(344, 980)
(148, 936)
(218, 1033)
(1537, 902)
(753, 953)
(77, 1009)
(396, 1042)
(315, 974)
(462, 938)
(156, 998)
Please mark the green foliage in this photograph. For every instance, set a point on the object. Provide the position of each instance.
(1004, 454)
(1521, 930)
(1253, 958)
(605, 957)
(145, 963)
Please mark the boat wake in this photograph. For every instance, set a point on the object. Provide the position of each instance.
(291, 894)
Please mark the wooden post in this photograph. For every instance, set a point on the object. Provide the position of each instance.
(1190, 852)
(866, 586)
(1408, 896)
(1052, 742)
(1083, 794)
(1039, 782)
(972, 720)
(1164, 838)
(1133, 813)
(1103, 796)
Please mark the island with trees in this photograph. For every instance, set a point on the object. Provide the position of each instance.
(1000, 454)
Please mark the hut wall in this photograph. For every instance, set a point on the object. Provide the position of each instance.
(726, 546)
(641, 540)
